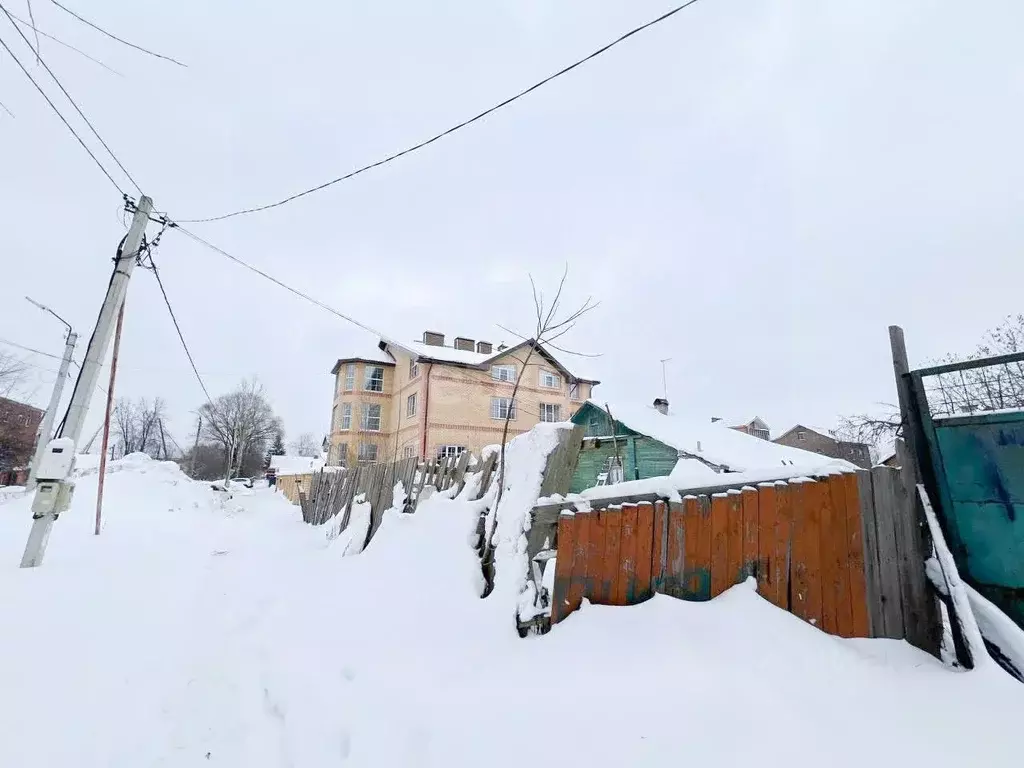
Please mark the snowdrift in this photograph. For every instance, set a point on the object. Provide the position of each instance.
(199, 630)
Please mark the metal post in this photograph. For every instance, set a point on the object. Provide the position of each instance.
(46, 428)
(106, 421)
(54, 494)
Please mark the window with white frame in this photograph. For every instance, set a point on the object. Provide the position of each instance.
(446, 451)
(550, 380)
(409, 451)
(410, 405)
(367, 452)
(574, 391)
(350, 377)
(369, 418)
(414, 369)
(503, 407)
(346, 416)
(373, 378)
(764, 434)
(550, 412)
(801, 435)
(503, 373)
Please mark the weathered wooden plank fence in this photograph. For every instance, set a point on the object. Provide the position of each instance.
(844, 552)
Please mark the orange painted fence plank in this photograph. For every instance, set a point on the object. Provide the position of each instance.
(782, 559)
(861, 622)
(805, 569)
(612, 541)
(720, 576)
(560, 605)
(578, 573)
(766, 502)
(594, 590)
(697, 572)
(676, 551)
(841, 553)
(705, 547)
(735, 546)
(826, 574)
(625, 577)
(659, 551)
(751, 533)
(644, 552)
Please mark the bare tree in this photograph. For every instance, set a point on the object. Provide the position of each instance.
(240, 422)
(305, 444)
(12, 373)
(976, 390)
(138, 426)
(550, 326)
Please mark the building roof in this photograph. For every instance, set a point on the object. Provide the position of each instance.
(295, 465)
(365, 352)
(473, 359)
(716, 442)
(807, 427)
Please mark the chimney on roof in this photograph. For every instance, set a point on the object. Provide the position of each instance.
(661, 404)
(502, 347)
(715, 419)
(433, 339)
(466, 345)
(484, 347)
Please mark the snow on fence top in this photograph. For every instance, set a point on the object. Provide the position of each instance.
(717, 443)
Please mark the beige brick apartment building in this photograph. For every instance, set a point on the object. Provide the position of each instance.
(428, 399)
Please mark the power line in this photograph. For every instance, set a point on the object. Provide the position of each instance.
(115, 37)
(170, 310)
(61, 116)
(453, 129)
(57, 40)
(261, 273)
(30, 349)
(73, 103)
(5, 109)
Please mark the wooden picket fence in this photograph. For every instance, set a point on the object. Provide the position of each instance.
(334, 491)
(843, 552)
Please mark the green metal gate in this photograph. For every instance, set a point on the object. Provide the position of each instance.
(969, 420)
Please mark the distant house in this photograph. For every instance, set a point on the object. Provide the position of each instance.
(424, 398)
(826, 443)
(19, 423)
(639, 442)
(756, 427)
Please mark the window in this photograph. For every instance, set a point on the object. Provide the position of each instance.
(445, 451)
(410, 405)
(801, 435)
(346, 416)
(764, 434)
(414, 369)
(367, 452)
(409, 451)
(369, 418)
(350, 377)
(503, 373)
(574, 391)
(550, 380)
(503, 407)
(373, 379)
(342, 455)
(550, 412)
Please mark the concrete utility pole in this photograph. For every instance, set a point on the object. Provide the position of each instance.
(46, 427)
(54, 486)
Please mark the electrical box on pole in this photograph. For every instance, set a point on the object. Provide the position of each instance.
(53, 494)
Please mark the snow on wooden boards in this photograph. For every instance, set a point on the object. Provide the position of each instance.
(801, 540)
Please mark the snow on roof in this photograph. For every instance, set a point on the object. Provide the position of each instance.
(295, 465)
(716, 442)
(365, 350)
(811, 428)
(446, 354)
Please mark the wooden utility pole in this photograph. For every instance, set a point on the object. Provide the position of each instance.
(53, 493)
(106, 421)
(195, 449)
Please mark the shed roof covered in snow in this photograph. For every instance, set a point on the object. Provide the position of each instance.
(713, 442)
(295, 465)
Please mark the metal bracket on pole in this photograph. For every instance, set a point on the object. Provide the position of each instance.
(54, 492)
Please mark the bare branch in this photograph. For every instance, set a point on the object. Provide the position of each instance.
(31, 15)
(57, 40)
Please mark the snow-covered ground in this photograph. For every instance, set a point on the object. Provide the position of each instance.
(197, 631)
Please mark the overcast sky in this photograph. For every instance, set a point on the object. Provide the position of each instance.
(754, 189)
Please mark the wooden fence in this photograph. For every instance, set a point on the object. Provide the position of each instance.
(292, 485)
(333, 492)
(843, 552)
